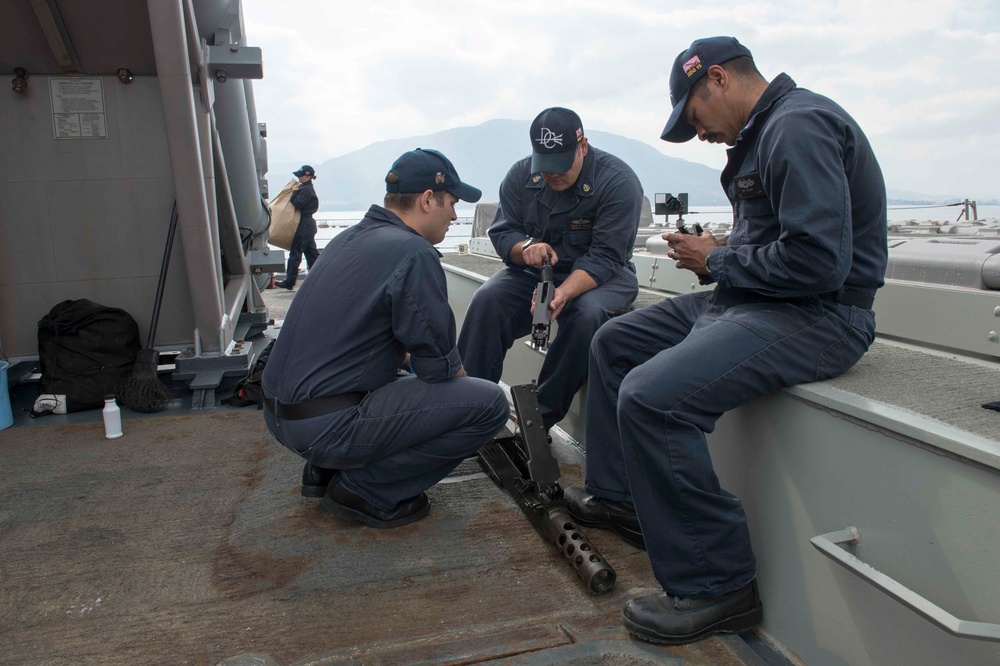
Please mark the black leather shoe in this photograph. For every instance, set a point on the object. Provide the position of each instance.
(315, 480)
(593, 511)
(344, 503)
(281, 284)
(661, 618)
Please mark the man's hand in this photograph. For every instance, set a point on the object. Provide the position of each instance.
(690, 251)
(537, 252)
(559, 300)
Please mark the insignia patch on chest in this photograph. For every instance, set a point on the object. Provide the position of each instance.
(580, 223)
(748, 186)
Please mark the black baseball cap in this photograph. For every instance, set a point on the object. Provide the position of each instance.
(691, 65)
(305, 170)
(426, 169)
(555, 134)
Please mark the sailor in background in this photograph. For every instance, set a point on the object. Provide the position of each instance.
(795, 283)
(578, 206)
(305, 201)
(375, 439)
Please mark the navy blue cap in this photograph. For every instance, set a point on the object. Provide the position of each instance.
(425, 169)
(691, 65)
(555, 134)
(305, 170)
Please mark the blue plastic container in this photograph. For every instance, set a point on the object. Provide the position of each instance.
(6, 415)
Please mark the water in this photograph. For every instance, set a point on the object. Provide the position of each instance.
(461, 230)
(901, 213)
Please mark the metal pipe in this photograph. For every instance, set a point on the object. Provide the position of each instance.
(174, 73)
(233, 124)
(232, 248)
(234, 261)
(208, 169)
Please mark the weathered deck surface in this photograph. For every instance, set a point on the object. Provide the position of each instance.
(186, 541)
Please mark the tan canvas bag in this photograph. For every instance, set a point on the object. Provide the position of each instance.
(284, 218)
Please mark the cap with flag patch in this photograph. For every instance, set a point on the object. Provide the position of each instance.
(689, 66)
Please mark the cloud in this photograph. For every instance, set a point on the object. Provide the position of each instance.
(920, 76)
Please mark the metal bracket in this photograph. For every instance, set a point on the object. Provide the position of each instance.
(233, 61)
(828, 544)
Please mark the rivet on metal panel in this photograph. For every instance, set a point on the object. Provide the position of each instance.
(994, 337)
(996, 312)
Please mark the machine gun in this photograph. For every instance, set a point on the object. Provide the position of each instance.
(523, 465)
(684, 230)
(540, 323)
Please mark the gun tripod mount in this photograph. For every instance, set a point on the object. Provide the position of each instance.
(522, 464)
(667, 204)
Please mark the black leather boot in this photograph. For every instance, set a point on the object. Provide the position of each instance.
(345, 503)
(315, 480)
(593, 511)
(661, 618)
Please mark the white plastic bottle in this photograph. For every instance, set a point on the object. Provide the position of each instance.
(112, 418)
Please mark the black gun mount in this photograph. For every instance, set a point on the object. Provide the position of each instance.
(540, 322)
(522, 464)
(667, 204)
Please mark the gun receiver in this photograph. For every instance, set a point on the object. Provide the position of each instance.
(540, 322)
(684, 230)
(522, 464)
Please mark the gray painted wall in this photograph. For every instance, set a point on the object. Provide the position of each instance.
(87, 218)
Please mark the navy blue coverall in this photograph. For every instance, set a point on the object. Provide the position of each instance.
(306, 202)
(795, 283)
(592, 227)
(377, 292)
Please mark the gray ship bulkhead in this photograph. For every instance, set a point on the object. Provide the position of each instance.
(873, 499)
(115, 122)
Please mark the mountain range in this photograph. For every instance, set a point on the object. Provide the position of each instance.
(483, 154)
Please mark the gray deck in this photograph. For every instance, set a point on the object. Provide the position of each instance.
(186, 541)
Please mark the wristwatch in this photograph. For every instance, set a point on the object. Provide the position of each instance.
(528, 243)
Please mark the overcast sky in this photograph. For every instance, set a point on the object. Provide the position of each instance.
(922, 77)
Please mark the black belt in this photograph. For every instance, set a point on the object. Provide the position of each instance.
(307, 409)
(859, 298)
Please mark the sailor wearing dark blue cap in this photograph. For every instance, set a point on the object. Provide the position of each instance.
(376, 439)
(305, 201)
(795, 281)
(579, 207)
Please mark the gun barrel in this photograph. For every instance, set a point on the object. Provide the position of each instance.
(590, 567)
(546, 271)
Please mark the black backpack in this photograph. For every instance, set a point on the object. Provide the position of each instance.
(84, 348)
(247, 391)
